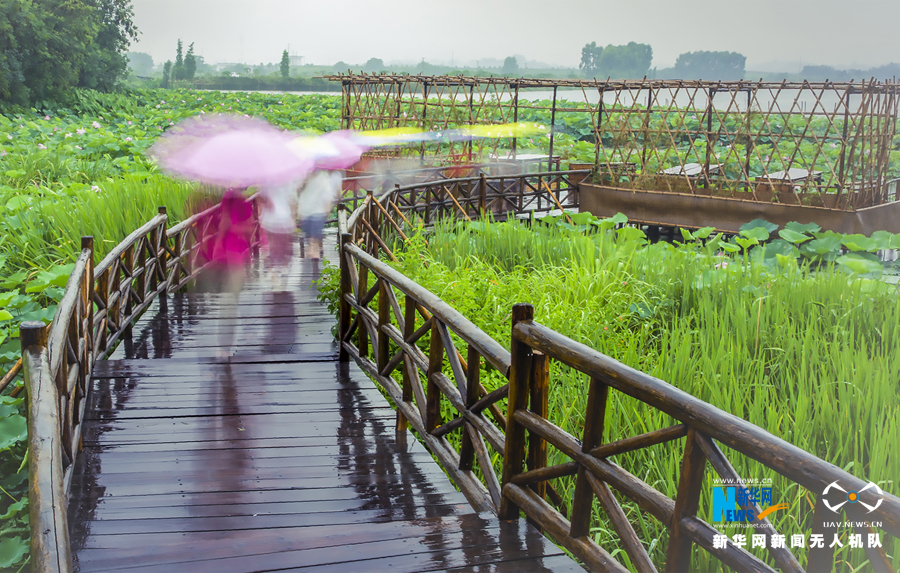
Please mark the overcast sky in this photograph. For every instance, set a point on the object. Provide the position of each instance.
(841, 33)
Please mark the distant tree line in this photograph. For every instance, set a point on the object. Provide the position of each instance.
(50, 46)
(822, 73)
(710, 65)
(271, 82)
(631, 61)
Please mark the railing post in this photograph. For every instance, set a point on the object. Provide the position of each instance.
(362, 288)
(384, 319)
(161, 272)
(433, 392)
(473, 380)
(482, 197)
(583, 500)
(371, 245)
(687, 501)
(255, 235)
(519, 377)
(345, 291)
(409, 328)
(87, 299)
(128, 261)
(150, 244)
(539, 392)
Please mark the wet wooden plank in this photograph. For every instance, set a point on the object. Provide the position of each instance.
(294, 547)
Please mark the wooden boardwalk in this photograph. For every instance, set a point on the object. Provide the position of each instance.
(279, 458)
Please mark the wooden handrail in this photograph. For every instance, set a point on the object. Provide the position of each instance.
(50, 550)
(489, 348)
(788, 460)
(128, 241)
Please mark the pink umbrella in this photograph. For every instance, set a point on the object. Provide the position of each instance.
(230, 151)
(345, 152)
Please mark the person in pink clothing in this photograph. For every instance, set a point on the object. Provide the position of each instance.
(229, 260)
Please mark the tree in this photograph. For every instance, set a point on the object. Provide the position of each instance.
(190, 63)
(590, 59)
(510, 66)
(43, 45)
(139, 63)
(373, 65)
(630, 61)
(167, 73)
(105, 61)
(710, 65)
(285, 65)
(178, 67)
(49, 46)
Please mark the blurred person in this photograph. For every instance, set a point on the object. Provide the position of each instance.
(277, 217)
(321, 191)
(230, 257)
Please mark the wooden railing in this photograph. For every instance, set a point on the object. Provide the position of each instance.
(57, 359)
(468, 197)
(701, 424)
(439, 392)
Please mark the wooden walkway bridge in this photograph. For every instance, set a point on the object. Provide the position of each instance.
(276, 458)
(285, 456)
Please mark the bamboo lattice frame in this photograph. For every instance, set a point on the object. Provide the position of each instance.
(816, 143)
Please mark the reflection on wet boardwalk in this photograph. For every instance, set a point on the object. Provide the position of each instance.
(276, 459)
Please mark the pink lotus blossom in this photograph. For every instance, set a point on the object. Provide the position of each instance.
(77, 147)
(202, 112)
(129, 122)
(2, 153)
(67, 136)
(157, 106)
(95, 125)
(127, 139)
(41, 146)
(95, 189)
(80, 131)
(47, 117)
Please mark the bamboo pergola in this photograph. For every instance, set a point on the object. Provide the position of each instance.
(820, 143)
